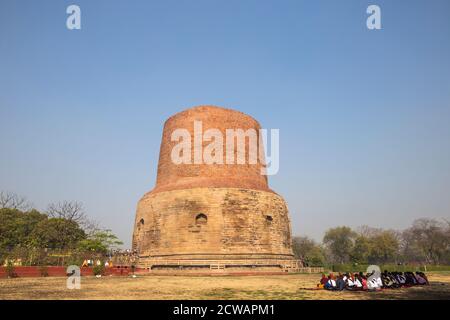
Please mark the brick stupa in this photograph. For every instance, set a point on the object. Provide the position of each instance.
(211, 216)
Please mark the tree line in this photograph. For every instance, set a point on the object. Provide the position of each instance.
(64, 226)
(427, 241)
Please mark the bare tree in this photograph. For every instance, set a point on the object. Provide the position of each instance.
(367, 231)
(73, 211)
(90, 226)
(11, 200)
(428, 239)
(69, 210)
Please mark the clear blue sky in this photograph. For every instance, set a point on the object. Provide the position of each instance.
(364, 116)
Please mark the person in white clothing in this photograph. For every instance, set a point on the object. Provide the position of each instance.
(350, 283)
(331, 283)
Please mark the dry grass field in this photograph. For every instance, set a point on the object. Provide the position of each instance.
(294, 286)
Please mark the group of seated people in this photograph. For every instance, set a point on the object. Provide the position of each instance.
(372, 281)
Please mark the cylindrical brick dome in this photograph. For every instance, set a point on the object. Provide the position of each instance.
(173, 176)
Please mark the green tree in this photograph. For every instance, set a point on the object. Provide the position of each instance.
(56, 233)
(308, 251)
(16, 227)
(361, 249)
(339, 242)
(101, 241)
(375, 246)
(384, 247)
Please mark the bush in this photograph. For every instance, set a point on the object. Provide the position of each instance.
(10, 270)
(98, 270)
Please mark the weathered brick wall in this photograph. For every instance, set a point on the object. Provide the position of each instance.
(241, 223)
(172, 177)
